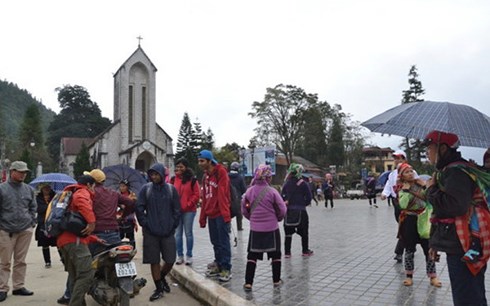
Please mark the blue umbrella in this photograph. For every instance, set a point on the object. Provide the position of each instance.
(417, 119)
(57, 181)
(383, 178)
(115, 174)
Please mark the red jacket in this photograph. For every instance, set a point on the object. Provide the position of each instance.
(188, 193)
(81, 202)
(216, 195)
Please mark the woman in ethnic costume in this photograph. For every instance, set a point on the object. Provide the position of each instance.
(414, 226)
(264, 207)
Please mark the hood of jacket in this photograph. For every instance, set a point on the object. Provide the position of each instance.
(160, 169)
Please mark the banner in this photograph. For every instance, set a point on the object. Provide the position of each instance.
(260, 155)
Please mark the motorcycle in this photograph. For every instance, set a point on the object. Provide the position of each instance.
(115, 275)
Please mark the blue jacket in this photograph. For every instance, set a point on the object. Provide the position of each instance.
(158, 206)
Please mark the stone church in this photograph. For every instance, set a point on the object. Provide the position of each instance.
(134, 138)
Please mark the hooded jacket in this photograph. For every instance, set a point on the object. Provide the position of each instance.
(81, 202)
(451, 197)
(158, 208)
(17, 207)
(216, 195)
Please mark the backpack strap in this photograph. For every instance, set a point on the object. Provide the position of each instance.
(259, 198)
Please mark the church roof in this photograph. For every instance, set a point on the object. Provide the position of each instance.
(72, 145)
(139, 49)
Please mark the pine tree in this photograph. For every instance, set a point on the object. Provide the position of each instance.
(208, 140)
(413, 94)
(185, 142)
(198, 136)
(82, 162)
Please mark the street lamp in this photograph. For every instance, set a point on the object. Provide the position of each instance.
(252, 147)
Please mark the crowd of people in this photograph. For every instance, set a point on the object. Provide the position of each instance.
(446, 214)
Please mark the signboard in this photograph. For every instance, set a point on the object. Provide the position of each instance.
(251, 158)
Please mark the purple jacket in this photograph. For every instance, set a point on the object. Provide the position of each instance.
(264, 217)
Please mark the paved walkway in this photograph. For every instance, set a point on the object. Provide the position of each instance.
(352, 265)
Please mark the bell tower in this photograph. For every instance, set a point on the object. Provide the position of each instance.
(134, 99)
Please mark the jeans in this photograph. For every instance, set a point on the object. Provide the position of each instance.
(220, 239)
(185, 226)
(466, 288)
(109, 238)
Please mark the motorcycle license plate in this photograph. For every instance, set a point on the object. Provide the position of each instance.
(125, 269)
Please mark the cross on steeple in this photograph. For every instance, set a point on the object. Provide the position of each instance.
(139, 38)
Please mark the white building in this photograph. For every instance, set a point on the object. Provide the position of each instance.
(134, 138)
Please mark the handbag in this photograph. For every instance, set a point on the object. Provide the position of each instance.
(73, 222)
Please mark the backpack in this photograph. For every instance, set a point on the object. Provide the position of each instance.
(59, 218)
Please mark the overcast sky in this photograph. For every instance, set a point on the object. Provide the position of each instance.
(215, 58)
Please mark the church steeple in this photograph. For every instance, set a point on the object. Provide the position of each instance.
(134, 98)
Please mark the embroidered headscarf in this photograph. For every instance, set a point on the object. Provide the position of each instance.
(295, 170)
(262, 171)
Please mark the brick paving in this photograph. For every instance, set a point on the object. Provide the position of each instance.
(352, 265)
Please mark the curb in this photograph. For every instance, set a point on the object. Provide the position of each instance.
(205, 289)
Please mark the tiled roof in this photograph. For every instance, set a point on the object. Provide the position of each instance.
(73, 145)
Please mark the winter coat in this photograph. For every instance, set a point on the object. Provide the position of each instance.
(450, 197)
(216, 195)
(268, 212)
(158, 210)
(17, 207)
(82, 202)
(188, 193)
(238, 182)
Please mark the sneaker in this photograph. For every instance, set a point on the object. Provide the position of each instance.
(225, 276)
(213, 272)
(308, 253)
(188, 261)
(157, 294)
(247, 287)
(47, 265)
(212, 265)
(278, 284)
(398, 258)
(375, 205)
(287, 255)
(63, 300)
(165, 285)
(180, 260)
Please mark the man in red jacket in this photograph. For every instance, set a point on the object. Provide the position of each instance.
(216, 209)
(74, 249)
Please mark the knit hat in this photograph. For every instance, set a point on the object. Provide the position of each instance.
(437, 137)
(262, 171)
(235, 166)
(296, 170)
(97, 174)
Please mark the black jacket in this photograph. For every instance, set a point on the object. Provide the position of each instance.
(451, 197)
